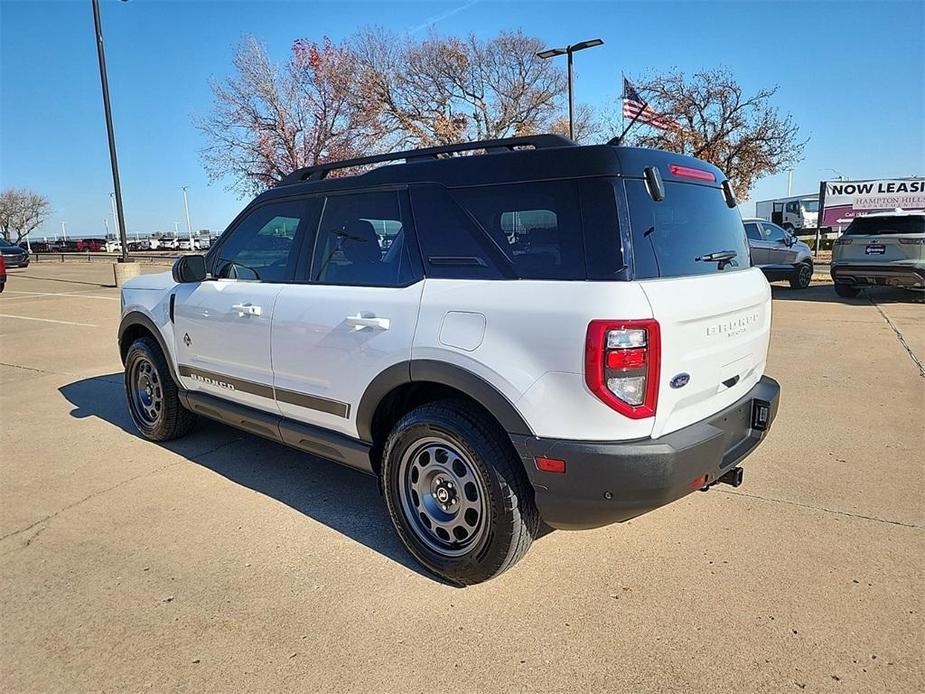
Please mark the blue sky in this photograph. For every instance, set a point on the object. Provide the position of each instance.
(851, 73)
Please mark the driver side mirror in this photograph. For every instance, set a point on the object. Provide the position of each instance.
(189, 268)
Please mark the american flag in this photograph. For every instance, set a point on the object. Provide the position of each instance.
(635, 107)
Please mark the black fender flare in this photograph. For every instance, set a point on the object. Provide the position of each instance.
(429, 370)
(133, 318)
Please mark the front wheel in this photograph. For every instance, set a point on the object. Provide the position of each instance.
(457, 493)
(802, 276)
(846, 291)
(153, 397)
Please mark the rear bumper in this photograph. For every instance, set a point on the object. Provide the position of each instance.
(609, 482)
(906, 275)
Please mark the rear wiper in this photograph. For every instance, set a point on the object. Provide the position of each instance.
(722, 257)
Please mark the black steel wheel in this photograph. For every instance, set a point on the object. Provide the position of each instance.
(457, 492)
(153, 397)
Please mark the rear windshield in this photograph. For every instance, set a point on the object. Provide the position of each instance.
(878, 226)
(677, 235)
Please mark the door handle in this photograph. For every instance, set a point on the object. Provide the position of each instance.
(360, 321)
(247, 310)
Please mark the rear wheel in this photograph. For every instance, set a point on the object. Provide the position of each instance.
(848, 291)
(153, 397)
(456, 492)
(802, 276)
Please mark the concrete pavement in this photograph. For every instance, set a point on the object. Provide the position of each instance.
(224, 562)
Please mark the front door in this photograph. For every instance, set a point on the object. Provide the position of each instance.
(780, 252)
(222, 325)
(353, 313)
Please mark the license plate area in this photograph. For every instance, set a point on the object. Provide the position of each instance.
(875, 249)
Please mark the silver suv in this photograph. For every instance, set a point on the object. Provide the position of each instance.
(884, 248)
(779, 254)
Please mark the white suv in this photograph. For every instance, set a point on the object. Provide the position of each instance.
(551, 333)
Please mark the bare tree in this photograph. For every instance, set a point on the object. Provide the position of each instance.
(21, 212)
(744, 135)
(588, 128)
(267, 120)
(448, 89)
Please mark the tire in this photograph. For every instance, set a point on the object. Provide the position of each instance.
(802, 276)
(846, 291)
(153, 397)
(448, 451)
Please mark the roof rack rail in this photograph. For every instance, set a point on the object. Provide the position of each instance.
(320, 171)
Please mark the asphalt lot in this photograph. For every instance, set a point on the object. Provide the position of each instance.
(225, 562)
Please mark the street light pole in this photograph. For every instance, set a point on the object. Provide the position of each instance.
(64, 230)
(568, 51)
(189, 227)
(104, 83)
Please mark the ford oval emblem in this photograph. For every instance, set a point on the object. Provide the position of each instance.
(680, 380)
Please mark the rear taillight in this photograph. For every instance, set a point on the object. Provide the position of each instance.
(913, 242)
(622, 365)
(842, 241)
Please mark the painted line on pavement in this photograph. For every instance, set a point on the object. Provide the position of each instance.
(50, 320)
(78, 294)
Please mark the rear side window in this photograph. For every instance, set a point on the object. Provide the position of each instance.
(362, 241)
(752, 231)
(536, 225)
(880, 226)
(676, 236)
(453, 245)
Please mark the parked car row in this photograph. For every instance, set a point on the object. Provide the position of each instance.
(94, 245)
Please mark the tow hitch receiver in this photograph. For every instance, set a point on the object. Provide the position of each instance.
(733, 478)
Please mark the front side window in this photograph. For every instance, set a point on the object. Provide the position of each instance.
(362, 241)
(773, 233)
(793, 207)
(262, 246)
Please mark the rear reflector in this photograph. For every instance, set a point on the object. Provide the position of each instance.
(550, 465)
(690, 172)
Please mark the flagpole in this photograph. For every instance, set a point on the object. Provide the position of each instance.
(622, 101)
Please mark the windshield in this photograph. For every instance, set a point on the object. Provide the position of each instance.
(810, 205)
(691, 232)
(880, 226)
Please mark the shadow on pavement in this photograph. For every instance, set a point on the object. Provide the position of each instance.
(342, 499)
(825, 293)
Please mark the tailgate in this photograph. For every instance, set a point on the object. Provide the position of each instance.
(879, 249)
(715, 329)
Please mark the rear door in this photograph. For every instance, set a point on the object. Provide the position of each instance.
(756, 244)
(222, 325)
(353, 312)
(714, 316)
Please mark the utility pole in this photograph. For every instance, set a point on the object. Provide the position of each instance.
(104, 83)
(64, 230)
(189, 227)
(568, 51)
(789, 182)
